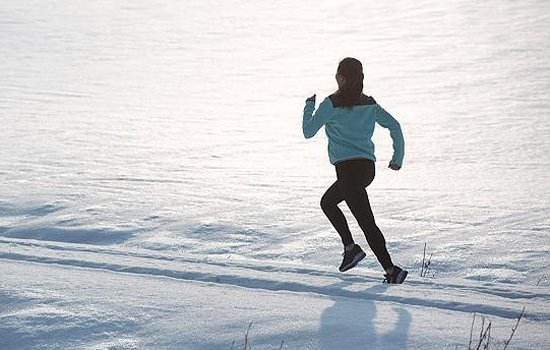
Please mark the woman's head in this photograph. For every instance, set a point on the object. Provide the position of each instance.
(350, 81)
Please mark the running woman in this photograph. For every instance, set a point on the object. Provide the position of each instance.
(349, 118)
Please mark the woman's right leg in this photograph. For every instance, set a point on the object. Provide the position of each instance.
(353, 177)
(358, 203)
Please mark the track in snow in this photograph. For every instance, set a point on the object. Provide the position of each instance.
(501, 300)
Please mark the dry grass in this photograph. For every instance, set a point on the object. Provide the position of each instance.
(483, 340)
(246, 344)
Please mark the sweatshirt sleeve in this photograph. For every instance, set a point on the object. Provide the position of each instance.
(387, 121)
(312, 122)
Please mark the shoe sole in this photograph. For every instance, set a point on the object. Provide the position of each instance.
(355, 261)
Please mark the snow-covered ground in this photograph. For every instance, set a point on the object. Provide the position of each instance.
(97, 298)
(156, 191)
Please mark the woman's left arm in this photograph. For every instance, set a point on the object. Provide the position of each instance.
(312, 122)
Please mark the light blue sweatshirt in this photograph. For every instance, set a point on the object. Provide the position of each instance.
(349, 131)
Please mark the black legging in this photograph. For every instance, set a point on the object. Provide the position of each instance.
(353, 176)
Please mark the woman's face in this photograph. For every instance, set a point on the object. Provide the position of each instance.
(340, 80)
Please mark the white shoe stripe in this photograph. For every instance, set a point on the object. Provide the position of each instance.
(401, 276)
(356, 259)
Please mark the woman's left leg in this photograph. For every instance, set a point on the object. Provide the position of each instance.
(329, 204)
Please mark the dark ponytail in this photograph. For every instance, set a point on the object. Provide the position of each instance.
(352, 70)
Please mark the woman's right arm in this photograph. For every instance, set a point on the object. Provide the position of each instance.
(386, 120)
(312, 122)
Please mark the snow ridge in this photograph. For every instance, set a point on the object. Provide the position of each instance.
(456, 295)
